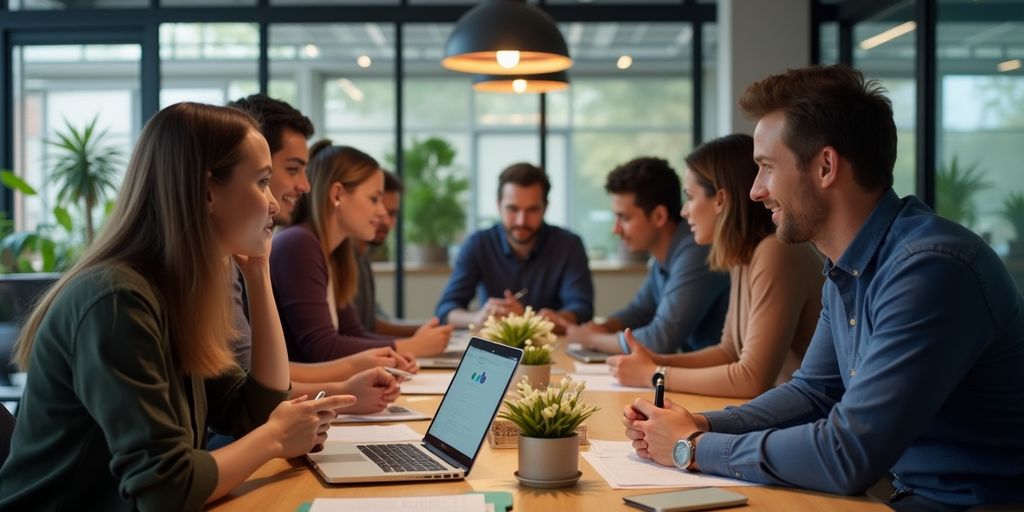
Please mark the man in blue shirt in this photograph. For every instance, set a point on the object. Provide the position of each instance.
(681, 305)
(520, 261)
(915, 371)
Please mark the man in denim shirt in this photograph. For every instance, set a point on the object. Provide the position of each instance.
(682, 303)
(916, 370)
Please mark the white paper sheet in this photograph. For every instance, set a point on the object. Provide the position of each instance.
(428, 383)
(392, 413)
(373, 434)
(452, 503)
(600, 383)
(593, 369)
(622, 468)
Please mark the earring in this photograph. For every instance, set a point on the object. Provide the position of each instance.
(337, 204)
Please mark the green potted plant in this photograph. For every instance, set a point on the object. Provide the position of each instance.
(1013, 212)
(530, 332)
(434, 199)
(43, 250)
(548, 445)
(956, 188)
(87, 170)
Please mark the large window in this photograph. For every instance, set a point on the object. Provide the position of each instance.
(884, 49)
(208, 62)
(631, 96)
(60, 90)
(981, 126)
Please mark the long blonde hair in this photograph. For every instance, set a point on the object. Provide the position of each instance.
(330, 164)
(161, 228)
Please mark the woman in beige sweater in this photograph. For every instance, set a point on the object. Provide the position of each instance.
(775, 289)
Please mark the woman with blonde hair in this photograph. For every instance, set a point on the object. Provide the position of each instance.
(775, 289)
(128, 356)
(314, 264)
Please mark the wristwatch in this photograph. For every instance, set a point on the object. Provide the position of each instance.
(685, 451)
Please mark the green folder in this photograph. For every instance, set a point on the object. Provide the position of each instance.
(501, 501)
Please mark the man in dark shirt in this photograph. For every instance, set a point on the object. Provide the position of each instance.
(520, 261)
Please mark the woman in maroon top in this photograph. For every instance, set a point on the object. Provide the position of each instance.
(313, 266)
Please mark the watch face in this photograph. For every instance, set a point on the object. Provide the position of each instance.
(682, 455)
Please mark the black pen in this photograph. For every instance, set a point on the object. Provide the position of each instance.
(659, 390)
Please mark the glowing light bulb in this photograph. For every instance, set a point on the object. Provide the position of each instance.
(311, 51)
(508, 59)
(624, 62)
(519, 85)
(364, 61)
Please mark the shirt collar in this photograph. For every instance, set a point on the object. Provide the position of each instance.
(864, 246)
(675, 246)
(542, 233)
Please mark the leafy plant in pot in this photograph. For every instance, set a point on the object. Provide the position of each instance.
(548, 418)
(530, 332)
(434, 199)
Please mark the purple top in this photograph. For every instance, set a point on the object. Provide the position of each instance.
(298, 273)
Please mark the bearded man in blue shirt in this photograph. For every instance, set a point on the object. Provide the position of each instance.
(914, 373)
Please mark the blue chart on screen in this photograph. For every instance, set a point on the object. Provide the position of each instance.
(469, 405)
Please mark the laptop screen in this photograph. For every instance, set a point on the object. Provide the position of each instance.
(473, 399)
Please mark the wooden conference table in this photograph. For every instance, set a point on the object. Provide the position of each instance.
(282, 485)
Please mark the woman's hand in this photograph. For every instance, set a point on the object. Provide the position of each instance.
(299, 426)
(377, 357)
(429, 340)
(374, 389)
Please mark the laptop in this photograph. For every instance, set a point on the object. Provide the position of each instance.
(452, 355)
(453, 440)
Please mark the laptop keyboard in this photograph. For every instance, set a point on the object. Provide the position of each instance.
(394, 458)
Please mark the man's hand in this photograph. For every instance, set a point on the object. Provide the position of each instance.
(654, 431)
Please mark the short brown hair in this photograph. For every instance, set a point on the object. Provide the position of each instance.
(524, 175)
(831, 106)
(726, 164)
(652, 181)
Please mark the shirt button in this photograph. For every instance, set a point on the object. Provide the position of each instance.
(856, 273)
(853, 322)
(853, 372)
(832, 273)
(738, 474)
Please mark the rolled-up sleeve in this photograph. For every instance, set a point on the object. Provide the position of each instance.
(688, 295)
(125, 388)
(238, 403)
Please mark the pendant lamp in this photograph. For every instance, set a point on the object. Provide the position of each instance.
(506, 37)
(522, 84)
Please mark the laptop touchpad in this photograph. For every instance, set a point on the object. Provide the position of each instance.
(340, 457)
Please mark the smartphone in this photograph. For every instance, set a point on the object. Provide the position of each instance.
(586, 355)
(700, 498)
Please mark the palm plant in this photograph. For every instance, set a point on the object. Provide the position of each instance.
(86, 170)
(1013, 211)
(956, 187)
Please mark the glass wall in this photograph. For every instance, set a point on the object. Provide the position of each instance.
(884, 49)
(59, 91)
(631, 96)
(208, 62)
(981, 125)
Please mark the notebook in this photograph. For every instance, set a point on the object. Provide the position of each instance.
(453, 440)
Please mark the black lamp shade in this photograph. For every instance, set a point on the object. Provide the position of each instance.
(506, 25)
(544, 82)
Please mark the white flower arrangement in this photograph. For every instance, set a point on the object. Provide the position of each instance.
(529, 331)
(550, 413)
